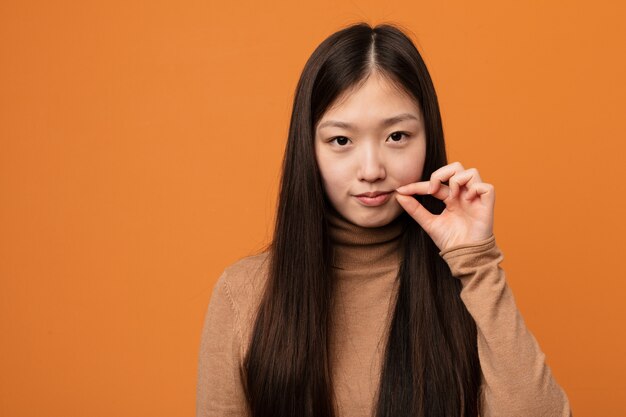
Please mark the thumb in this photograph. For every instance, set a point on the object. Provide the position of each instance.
(415, 210)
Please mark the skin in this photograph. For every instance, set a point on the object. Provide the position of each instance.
(369, 156)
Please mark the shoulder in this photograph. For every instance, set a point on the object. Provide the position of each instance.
(243, 282)
(245, 273)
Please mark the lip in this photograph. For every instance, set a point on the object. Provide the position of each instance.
(372, 193)
(374, 199)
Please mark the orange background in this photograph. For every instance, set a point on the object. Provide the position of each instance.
(140, 154)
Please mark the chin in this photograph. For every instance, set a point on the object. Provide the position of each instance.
(375, 224)
(375, 219)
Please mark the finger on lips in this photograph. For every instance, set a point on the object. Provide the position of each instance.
(444, 192)
(414, 188)
(423, 187)
(446, 183)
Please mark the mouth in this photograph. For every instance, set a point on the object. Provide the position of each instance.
(373, 193)
(373, 199)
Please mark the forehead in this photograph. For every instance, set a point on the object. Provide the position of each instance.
(377, 98)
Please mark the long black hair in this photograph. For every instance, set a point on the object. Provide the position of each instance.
(431, 366)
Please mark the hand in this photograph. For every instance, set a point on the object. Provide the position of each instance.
(468, 216)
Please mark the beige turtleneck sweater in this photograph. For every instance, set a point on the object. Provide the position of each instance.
(517, 382)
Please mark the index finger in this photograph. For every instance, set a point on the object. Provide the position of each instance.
(414, 188)
(422, 187)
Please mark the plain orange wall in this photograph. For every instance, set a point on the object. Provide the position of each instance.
(140, 152)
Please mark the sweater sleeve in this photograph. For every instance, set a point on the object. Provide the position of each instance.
(516, 380)
(220, 390)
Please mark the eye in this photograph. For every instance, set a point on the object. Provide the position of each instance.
(341, 140)
(397, 136)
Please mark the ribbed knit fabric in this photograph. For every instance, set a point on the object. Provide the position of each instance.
(517, 382)
(359, 248)
(366, 265)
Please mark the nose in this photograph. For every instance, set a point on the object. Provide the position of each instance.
(371, 166)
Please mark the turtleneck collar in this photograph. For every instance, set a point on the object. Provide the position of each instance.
(356, 247)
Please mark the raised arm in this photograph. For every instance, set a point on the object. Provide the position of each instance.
(220, 390)
(517, 382)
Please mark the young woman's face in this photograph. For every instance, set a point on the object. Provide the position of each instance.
(359, 152)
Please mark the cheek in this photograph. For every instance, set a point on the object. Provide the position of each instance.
(409, 171)
(333, 175)
(334, 180)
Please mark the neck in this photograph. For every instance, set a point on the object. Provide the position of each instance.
(364, 248)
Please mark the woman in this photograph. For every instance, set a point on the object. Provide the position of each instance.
(381, 292)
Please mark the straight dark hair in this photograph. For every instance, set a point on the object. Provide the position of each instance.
(431, 365)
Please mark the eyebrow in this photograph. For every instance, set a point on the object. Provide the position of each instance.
(384, 123)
